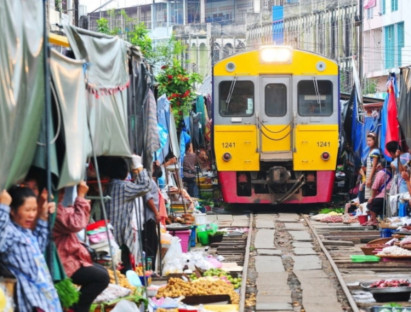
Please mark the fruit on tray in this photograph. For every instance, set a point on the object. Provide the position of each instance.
(235, 281)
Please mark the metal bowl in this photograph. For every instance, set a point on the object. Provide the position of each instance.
(392, 296)
(177, 227)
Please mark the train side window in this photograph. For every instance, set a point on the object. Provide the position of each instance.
(275, 99)
(236, 98)
(315, 98)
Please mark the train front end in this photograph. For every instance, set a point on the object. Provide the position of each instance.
(276, 126)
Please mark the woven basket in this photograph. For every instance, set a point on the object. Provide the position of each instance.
(374, 244)
(369, 249)
(379, 241)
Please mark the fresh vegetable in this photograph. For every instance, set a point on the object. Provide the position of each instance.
(67, 292)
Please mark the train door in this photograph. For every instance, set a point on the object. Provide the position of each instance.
(274, 118)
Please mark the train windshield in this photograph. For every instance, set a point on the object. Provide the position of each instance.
(315, 97)
(236, 98)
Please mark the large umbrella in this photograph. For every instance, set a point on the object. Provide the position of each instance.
(389, 118)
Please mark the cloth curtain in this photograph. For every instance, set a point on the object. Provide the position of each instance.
(152, 140)
(22, 86)
(163, 118)
(174, 146)
(404, 107)
(107, 80)
(136, 95)
(68, 82)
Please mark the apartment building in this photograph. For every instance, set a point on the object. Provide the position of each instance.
(386, 39)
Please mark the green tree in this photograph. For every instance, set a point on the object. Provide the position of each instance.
(139, 37)
(370, 86)
(102, 26)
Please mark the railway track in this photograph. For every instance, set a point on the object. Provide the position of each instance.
(292, 263)
(296, 264)
(338, 242)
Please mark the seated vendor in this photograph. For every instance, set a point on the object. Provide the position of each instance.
(78, 265)
(379, 189)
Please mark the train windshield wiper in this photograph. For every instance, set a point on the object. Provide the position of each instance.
(230, 93)
(317, 93)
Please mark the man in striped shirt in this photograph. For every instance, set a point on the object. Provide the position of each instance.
(126, 205)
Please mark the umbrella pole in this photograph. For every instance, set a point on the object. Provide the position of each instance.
(139, 227)
(47, 108)
(159, 249)
(103, 208)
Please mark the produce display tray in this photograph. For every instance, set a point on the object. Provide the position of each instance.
(394, 257)
(206, 299)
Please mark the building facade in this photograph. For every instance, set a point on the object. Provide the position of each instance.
(214, 29)
(386, 40)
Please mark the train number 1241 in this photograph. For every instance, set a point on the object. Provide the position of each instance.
(228, 144)
(323, 144)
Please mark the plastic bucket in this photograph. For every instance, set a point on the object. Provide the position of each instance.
(203, 238)
(362, 219)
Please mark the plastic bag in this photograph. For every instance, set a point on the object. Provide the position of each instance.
(174, 251)
(126, 306)
(172, 262)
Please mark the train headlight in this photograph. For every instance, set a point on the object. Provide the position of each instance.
(226, 156)
(276, 54)
(325, 156)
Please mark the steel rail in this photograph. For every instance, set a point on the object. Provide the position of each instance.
(347, 292)
(245, 264)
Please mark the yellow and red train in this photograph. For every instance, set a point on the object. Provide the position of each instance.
(276, 126)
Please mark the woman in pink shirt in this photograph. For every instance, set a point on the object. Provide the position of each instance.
(76, 259)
